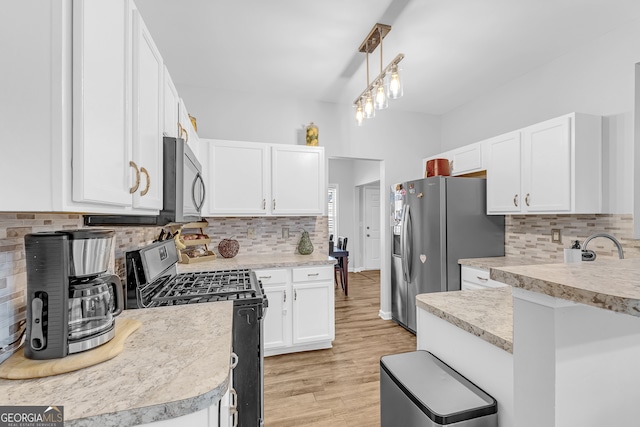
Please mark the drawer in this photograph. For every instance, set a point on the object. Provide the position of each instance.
(479, 276)
(272, 277)
(312, 274)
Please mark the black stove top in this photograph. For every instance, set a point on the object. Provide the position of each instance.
(153, 281)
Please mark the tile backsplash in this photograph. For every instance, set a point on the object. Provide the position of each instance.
(530, 235)
(14, 226)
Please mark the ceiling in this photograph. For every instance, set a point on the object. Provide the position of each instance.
(455, 50)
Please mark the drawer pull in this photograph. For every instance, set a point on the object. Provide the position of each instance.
(234, 360)
(484, 279)
(264, 277)
(313, 274)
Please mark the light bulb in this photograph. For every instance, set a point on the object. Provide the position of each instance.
(359, 114)
(381, 101)
(369, 111)
(395, 84)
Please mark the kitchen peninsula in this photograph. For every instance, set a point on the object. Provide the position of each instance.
(175, 365)
(575, 341)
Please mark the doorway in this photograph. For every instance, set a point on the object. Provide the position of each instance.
(371, 234)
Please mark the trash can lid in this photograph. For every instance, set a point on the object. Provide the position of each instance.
(444, 395)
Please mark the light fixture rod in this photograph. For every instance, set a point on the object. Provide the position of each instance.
(380, 76)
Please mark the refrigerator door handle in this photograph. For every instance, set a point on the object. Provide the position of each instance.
(406, 255)
(409, 244)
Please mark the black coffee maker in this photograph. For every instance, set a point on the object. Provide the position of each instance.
(71, 300)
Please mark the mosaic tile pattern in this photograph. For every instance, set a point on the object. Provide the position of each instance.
(14, 226)
(530, 235)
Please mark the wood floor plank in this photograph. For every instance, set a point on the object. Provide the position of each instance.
(339, 386)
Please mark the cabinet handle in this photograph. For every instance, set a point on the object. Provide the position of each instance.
(284, 296)
(146, 188)
(233, 396)
(264, 204)
(515, 200)
(234, 414)
(526, 199)
(234, 360)
(312, 274)
(182, 130)
(265, 277)
(295, 295)
(274, 204)
(137, 184)
(484, 279)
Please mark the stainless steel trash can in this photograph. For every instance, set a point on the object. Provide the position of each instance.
(418, 389)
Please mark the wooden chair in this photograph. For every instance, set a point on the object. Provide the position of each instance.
(339, 266)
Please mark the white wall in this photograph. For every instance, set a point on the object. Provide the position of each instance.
(597, 78)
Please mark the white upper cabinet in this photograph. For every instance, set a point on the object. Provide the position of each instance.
(503, 173)
(298, 180)
(101, 119)
(148, 117)
(467, 159)
(171, 106)
(550, 167)
(248, 179)
(238, 177)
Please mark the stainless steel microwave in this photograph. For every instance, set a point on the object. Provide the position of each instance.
(183, 186)
(183, 190)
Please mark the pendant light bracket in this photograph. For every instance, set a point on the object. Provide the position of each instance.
(375, 36)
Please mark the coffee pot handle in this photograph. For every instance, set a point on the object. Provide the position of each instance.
(114, 282)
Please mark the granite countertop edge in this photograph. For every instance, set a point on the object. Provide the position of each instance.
(503, 261)
(454, 302)
(610, 285)
(153, 413)
(259, 261)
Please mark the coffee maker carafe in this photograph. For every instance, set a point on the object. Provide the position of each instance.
(71, 300)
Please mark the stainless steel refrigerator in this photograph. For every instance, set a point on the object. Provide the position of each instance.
(435, 222)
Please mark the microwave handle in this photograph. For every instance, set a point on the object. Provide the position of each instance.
(198, 204)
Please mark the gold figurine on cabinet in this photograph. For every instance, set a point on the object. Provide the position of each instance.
(312, 134)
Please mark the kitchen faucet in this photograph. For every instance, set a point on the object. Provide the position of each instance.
(588, 255)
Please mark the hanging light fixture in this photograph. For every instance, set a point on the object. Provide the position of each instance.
(386, 85)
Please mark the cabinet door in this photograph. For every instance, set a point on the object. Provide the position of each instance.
(238, 176)
(277, 322)
(503, 174)
(546, 167)
(298, 181)
(313, 316)
(148, 116)
(101, 124)
(466, 159)
(171, 103)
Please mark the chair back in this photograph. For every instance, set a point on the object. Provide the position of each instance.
(344, 243)
(331, 237)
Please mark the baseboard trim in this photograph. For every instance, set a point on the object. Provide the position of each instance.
(384, 315)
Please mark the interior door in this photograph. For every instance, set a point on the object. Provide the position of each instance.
(372, 228)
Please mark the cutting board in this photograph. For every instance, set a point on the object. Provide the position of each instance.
(18, 367)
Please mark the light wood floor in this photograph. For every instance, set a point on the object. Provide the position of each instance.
(338, 386)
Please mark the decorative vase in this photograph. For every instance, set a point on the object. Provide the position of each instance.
(228, 248)
(305, 247)
(312, 134)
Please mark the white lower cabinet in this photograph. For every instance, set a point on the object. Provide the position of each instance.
(300, 315)
(477, 278)
(207, 417)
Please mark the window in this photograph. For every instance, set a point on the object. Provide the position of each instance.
(332, 210)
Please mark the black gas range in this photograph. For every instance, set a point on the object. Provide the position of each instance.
(153, 281)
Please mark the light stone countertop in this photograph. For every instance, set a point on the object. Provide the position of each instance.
(485, 313)
(501, 261)
(175, 364)
(257, 261)
(609, 284)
